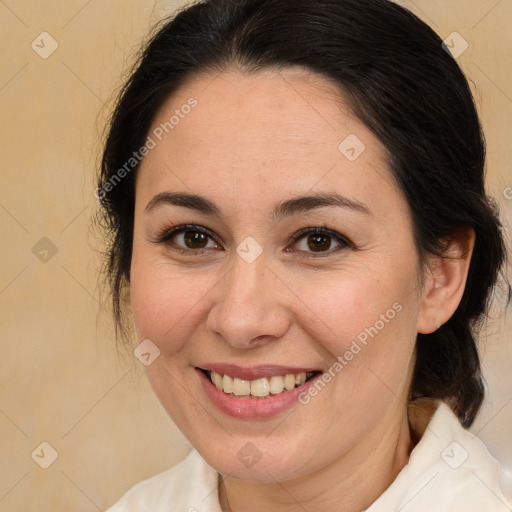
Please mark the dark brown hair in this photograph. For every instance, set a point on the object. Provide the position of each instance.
(401, 83)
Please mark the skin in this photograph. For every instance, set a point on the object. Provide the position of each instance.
(252, 142)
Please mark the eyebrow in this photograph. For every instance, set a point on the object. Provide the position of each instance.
(303, 204)
(286, 208)
(191, 201)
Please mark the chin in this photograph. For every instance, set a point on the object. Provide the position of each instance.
(254, 461)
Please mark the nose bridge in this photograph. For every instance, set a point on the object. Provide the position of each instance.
(247, 305)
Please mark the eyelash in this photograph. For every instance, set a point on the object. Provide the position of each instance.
(344, 243)
(166, 234)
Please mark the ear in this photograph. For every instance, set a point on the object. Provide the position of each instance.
(445, 280)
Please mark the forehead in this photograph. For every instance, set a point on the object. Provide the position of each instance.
(281, 132)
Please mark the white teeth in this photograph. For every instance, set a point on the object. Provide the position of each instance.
(217, 380)
(289, 381)
(276, 385)
(241, 387)
(260, 387)
(257, 388)
(227, 383)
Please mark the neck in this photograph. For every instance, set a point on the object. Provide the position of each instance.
(349, 484)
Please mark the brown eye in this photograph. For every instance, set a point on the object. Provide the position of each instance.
(188, 238)
(195, 240)
(319, 243)
(319, 240)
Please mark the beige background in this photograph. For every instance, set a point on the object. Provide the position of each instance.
(61, 380)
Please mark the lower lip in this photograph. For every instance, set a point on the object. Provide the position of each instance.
(251, 408)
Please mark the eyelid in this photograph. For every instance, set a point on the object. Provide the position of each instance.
(168, 232)
(342, 240)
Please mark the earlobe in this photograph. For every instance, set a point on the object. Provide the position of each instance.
(445, 281)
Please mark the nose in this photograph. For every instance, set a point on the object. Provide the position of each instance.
(249, 308)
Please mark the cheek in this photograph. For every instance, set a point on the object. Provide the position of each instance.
(367, 326)
(342, 309)
(167, 303)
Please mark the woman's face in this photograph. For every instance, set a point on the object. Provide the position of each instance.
(297, 257)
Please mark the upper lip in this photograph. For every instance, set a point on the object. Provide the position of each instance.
(255, 372)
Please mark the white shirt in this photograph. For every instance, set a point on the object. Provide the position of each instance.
(449, 470)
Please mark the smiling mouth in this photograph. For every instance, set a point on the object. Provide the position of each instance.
(258, 388)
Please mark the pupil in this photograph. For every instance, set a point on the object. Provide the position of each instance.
(319, 243)
(195, 240)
